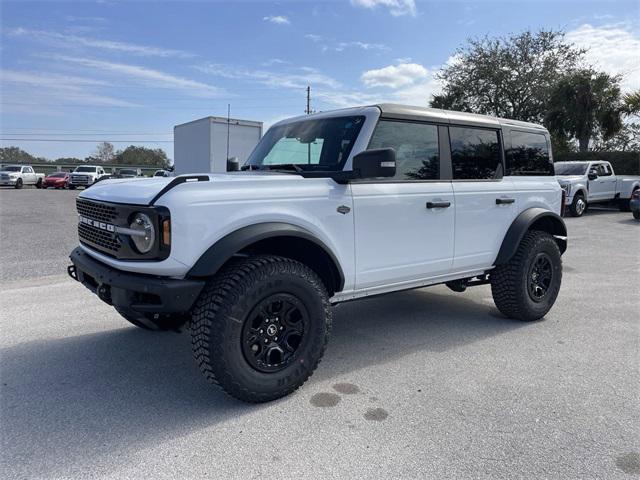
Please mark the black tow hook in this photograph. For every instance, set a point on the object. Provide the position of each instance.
(71, 271)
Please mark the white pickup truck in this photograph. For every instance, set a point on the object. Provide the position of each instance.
(594, 182)
(85, 176)
(328, 208)
(19, 175)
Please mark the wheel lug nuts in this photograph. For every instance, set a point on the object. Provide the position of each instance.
(254, 348)
(281, 328)
(276, 339)
(261, 331)
(266, 341)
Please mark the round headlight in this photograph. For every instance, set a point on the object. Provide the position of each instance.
(146, 238)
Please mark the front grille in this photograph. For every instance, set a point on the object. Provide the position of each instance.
(96, 211)
(80, 179)
(98, 238)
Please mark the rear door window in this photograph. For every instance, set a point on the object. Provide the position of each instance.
(475, 153)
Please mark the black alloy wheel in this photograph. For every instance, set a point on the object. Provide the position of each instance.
(274, 331)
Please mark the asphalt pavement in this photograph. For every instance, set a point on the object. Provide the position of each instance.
(420, 384)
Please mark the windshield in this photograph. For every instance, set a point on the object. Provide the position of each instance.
(10, 169)
(570, 168)
(57, 175)
(321, 144)
(85, 169)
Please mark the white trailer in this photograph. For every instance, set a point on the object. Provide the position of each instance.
(201, 146)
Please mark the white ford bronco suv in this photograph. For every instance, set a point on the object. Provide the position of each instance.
(329, 207)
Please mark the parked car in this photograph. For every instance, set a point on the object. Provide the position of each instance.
(634, 204)
(85, 176)
(594, 182)
(163, 173)
(18, 176)
(329, 207)
(57, 180)
(129, 172)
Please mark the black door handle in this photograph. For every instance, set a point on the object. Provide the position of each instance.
(438, 204)
(504, 201)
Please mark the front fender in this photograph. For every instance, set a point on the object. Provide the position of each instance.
(532, 219)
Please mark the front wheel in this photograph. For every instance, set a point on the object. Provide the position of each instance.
(19, 184)
(527, 286)
(636, 214)
(72, 187)
(260, 327)
(578, 206)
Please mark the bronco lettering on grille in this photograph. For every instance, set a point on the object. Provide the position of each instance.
(94, 223)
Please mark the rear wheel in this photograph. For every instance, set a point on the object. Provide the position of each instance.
(636, 214)
(260, 327)
(19, 183)
(39, 183)
(578, 206)
(155, 322)
(527, 286)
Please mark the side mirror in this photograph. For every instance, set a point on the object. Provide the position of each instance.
(233, 164)
(375, 163)
(592, 176)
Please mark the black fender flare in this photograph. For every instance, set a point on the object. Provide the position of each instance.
(226, 247)
(540, 219)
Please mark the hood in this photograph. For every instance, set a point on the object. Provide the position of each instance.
(564, 179)
(140, 191)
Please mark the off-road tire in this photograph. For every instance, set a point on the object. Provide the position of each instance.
(636, 214)
(575, 209)
(510, 282)
(220, 313)
(164, 323)
(39, 183)
(19, 184)
(71, 187)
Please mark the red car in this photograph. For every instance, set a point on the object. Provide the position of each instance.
(57, 180)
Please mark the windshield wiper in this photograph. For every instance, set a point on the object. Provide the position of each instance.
(283, 167)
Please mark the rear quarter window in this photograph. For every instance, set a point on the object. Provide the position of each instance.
(528, 155)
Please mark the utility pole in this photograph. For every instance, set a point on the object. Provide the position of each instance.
(308, 110)
(228, 126)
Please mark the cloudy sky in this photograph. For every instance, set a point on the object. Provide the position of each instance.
(127, 72)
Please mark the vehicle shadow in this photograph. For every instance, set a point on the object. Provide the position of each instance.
(72, 402)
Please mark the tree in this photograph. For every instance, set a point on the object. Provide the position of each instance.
(17, 155)
(507, 76)
(632, 103)
(583, 105)
(134, 155)
(104, 153)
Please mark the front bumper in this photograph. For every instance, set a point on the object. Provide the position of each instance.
(11, 181)
(133, 291)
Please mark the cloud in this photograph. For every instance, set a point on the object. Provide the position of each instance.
(146, 76)
(277, 19)
(361, 45)
(613, 48)
(397, 8)
(41, 87)
(295, 78)
(73, 41)
(394, 76)
(313, 37)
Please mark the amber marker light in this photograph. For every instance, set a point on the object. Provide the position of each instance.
(166, 231)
